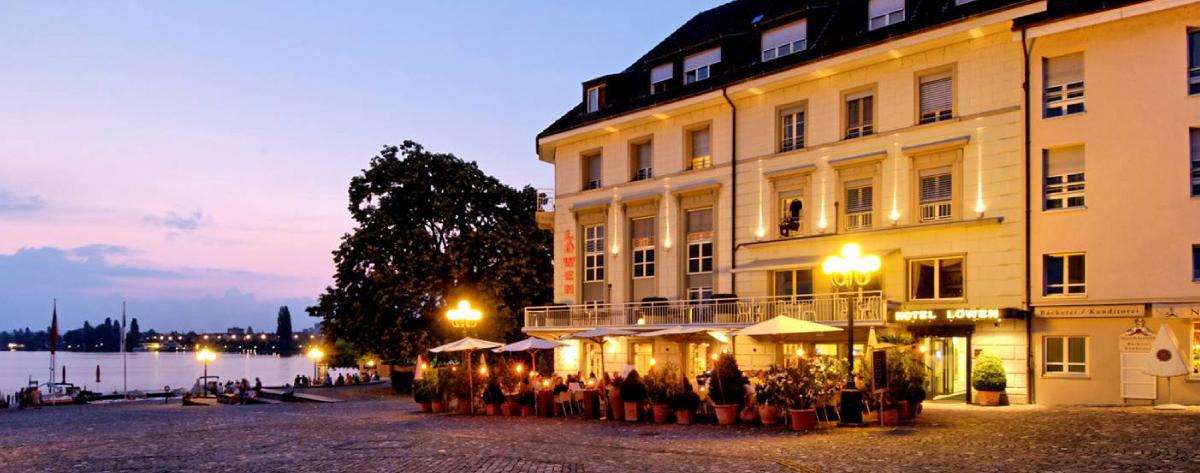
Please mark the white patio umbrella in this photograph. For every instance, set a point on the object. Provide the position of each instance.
(597, 335)
(468, 345)
(784, 325)
(680, 335)
(530, 345)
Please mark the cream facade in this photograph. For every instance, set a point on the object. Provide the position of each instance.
(1119, 254)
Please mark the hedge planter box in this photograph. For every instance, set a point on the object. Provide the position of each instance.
(425, 407)
(438, 407)
(988, 398)
(803, 419)
(632, 411)
(768, 415)
(727, 414)
(662, 413)
(685, 416)
(890, 417)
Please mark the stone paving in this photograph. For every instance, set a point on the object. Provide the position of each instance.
(377, 432)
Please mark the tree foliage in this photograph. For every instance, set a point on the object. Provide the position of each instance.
(431, 229)
(284, 343)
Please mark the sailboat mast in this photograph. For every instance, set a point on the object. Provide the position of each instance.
(124, 360)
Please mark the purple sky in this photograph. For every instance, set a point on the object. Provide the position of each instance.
(193, 158)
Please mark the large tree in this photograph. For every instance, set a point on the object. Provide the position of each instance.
(284, 344)
(431, 229)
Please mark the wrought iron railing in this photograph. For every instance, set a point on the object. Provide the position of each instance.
(829, 309)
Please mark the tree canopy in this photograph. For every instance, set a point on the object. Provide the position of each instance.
(431, 229)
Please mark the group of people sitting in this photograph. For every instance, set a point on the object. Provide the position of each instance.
(361, 377)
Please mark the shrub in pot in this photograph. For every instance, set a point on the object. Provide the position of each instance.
(906, 378)
(421, 394)
(439, 383)
(800, 393)
(770, 395)
(493, 397)
(616, 409)
(727, 388)
(829, 374)
(661, 384)
(988, 379)
(633, 394)
(526, 400)
(684, 403)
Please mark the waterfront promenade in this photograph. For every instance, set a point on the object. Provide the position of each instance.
(378, 432)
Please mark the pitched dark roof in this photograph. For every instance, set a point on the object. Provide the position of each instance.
(834, 27)
(1060, 9)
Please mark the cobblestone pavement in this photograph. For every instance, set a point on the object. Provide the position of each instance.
(376, 432)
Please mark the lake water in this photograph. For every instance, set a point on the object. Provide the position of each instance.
(147, 370)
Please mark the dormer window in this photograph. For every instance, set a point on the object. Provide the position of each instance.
(784, 40)
(660, 77)
(884, 12)
(595, 98)
(698, 67)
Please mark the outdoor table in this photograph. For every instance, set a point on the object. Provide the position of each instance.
(545, 403)
(591, 404)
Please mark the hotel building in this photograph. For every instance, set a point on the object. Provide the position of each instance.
(703, 186)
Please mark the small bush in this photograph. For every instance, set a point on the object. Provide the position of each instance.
(989, 373)
(422, 392)
(727, 386)
(632, 389)
(492, 394)
(685, 401)
(661, 383)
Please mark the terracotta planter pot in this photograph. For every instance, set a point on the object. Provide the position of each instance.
(438, 407)
(526, 410)
(633, 411)
(615, 406)
(464, 405)
(988, 398)
(662, 413)
(425, 406)
(545, 403)
(685, 416)
(905, 410)
(727, 414)
(509, 409)
(492, 409)
(803, 419)
(768, 415)
(890, 417)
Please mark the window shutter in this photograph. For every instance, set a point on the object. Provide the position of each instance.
(1064, 161)
(593, 168)
(1064, 70)
(699, 221)
(786, 34)
(700, 142)
(643, 156)
(882, 7)
(859, 199)
(936, 93)
(661, 72)
(703, 58)
(642, 232)
(936, 187)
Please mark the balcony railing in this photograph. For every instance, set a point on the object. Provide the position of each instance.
(831, 309)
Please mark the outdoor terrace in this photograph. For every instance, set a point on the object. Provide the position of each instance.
(829, 309)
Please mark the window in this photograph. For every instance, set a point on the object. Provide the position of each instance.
(1063, 79)
(937, 193)
(660, 77)
(884, 12)
(1065, 184)
(698, 67)
(962, 2)
(699, 144)
(937, 97)
(591, 171)
(1196, 262)
(791, 218)
(793, 282)
(784, 40)
(595, 98)
(1065, 356)
(699, 253)
(859, 205)
(642, 163)
(642, 232)
(1195, 351)
(1195, 152)
(1194, 61)
(791, 129)
(935, 278)
(859, 111)
(593, 253)
(1066, 274)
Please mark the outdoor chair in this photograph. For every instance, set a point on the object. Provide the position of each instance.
(563, 401)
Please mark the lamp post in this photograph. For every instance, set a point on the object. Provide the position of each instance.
(852, 271)
(205, 356)
(315, 354)
(464, 317)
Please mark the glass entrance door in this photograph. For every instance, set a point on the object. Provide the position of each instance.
(946, 358)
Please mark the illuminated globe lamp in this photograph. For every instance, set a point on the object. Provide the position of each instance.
(851, 271)
(205, 356)
(464, 316)
(315, 354)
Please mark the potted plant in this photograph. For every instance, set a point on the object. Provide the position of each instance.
(493, 397)
(438, 381)
(770, 394)
(800, 392)
(684, 403)
(988, 379)
(526, 399)
(421, 396)
(727, 388)
(616, 409)
(829, 373)
(661, 384)
(906, 374)
(460, 387)
(633, 394)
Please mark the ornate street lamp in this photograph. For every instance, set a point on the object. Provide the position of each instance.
(464, 317)
(206, 356)
(315, 354)
(851, 271)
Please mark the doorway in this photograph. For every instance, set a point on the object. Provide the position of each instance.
(946, 358)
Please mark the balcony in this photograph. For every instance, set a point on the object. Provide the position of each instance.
(830, 309)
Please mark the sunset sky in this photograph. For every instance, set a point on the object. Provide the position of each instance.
(193, 158)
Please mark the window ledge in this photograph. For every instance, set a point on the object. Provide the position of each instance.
(1044, 117)
(1065, 209)
(1064, 296)
(1192, 378)
(1066, 376)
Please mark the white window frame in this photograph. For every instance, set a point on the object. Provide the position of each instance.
(797, 116)
(937, 278)
(591, 182)
(1059, 98)
(939, 209)
(1193, 69)
(702, 258)
(1066, 363)
(698, 74)
(641, 174)
(699, 293)
(696, 163)
(863, 127)
(593, 253)
(654, 89)
(888, 18)
(1063, 189)
(860, 219)
(784, 49)
(593, 99)
(1065, 284)
(645, 268)
(785, 210)
(942, 114)
(1194, 159)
